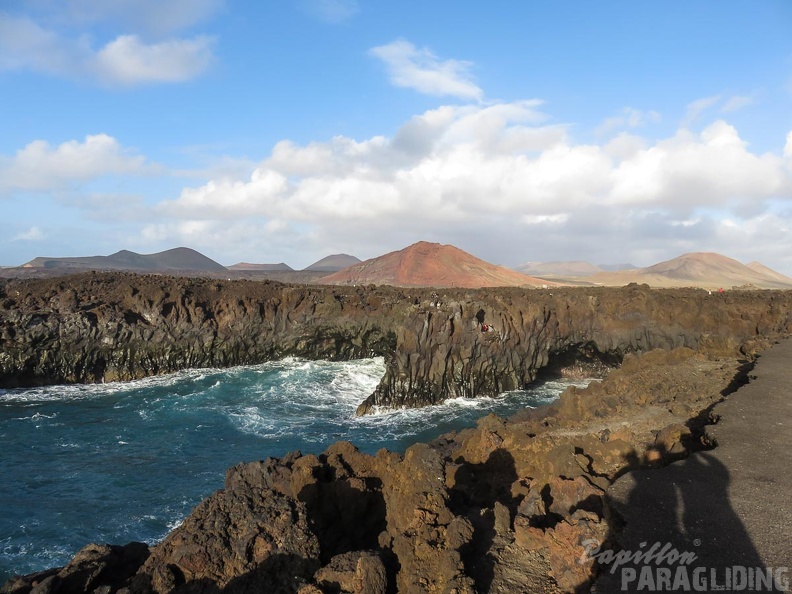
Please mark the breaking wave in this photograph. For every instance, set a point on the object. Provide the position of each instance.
(126, 461)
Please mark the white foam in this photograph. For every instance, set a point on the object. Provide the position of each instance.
(35, 417)
(251, 420)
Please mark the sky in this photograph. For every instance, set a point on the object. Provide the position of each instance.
(264, 131)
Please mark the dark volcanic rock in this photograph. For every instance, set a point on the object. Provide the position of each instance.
(508, 506)
(503, 507)
(95, 568)
(104, 327)
(239, 540)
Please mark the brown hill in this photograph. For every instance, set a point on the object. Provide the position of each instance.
(334, 263)
(769, 272)
(700, 269)
(425, 264)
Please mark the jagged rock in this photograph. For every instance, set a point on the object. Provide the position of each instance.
(425, 535)
(503, 507)
(96, 568)
(237, 540)
(116, 326)
(359, 572)
(570, 495)
(500, 507)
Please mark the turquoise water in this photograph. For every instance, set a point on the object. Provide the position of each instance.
(128, 461)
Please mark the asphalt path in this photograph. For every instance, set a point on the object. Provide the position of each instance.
(730, 507)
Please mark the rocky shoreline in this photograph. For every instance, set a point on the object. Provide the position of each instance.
(97, 327)
(503, 507)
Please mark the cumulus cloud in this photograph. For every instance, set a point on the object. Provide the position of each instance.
(467, 172)
(40, 166)
(129, 61)
(689, 171)
(628, 118)
(126, 60)
(421, 70)
(442, 160)
(498, 180)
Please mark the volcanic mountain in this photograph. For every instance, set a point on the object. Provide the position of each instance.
(699, 269)
(181, 258)
(333, 263)
(769, 273)
(425, 264)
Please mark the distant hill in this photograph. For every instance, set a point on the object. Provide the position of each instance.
(699, 269)
(574, 269)
(769, 272)
(333, 263)
(617, 267)
(426, 264)
(176, 259)
(280, 267)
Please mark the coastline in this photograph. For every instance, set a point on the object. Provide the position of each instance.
(499, 506)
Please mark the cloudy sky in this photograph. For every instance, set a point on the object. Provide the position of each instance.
(270, 131)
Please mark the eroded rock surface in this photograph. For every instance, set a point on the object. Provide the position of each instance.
(102, 327)
(503, 507)
(507, 506)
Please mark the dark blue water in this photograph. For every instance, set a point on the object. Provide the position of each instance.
(128, 461)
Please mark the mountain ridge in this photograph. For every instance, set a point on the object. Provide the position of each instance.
(708, 270)
(180, 258)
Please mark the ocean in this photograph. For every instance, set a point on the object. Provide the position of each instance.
(119, 462)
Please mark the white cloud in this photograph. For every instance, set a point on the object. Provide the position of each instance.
(23, 44)
(32, 234)
(698, 107)
(252, 240)
(624, 146)
(126, 60)
(628, 118)
(688, 171)
(737, 103)
(458, 170)
(788, 148)
(481, 176)
(421, 70)
(40, 166)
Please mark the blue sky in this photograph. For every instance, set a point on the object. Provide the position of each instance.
(286, 131)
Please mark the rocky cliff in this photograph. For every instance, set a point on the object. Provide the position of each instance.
(437, 344)
(503, 507)
(508, 506)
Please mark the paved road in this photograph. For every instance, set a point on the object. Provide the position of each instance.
(731, 507)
